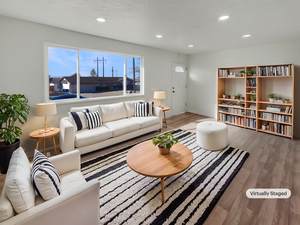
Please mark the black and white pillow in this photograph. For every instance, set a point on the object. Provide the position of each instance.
(45, 178)
(140, 109)
(150, 107)
(93, 119)
(78, 119)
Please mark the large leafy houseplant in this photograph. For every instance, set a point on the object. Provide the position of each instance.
(165, 143)
(12, 108)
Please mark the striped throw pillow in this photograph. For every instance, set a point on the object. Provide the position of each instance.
(78, 119)
(140, 109)
(150, 107)
(45, 178)
(93, 119)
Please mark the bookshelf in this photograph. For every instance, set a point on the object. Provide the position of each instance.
(251, 114)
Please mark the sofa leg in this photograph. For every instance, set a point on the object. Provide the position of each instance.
(159, 130)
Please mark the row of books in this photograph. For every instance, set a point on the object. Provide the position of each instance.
(223, 73)
(231, 119)
(288, 109)
(251, 82)
(233, 104)
(277, 108)
(275, 71)
(277, 117)
(236, 111)
(280, 128)
(251, 122)
(251, 113)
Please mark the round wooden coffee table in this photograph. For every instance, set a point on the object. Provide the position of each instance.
(145, 159)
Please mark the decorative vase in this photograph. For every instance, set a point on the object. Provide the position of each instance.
(271, 99)
(164, 151)
(263, 127)
(5, 154)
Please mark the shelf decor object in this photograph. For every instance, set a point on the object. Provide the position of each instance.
(159, 95)
(45, 109)
(255, 111)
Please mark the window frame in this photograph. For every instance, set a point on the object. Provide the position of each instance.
(77, 99)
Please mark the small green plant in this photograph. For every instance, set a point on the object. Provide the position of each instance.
(12, 108)
(286, 99)
(242, 72)
(165, 141)
(253, 97)
(238, 95)
(280, 98)
(249, 72)
(224, 93)
(272, 95)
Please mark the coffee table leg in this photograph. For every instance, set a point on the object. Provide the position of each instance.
(162, 190)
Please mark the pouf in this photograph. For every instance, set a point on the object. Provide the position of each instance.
(212, 135)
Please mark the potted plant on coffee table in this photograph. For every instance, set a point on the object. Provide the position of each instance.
(12, 108)
(165, 143)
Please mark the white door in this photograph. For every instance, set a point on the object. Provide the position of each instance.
(179, 88)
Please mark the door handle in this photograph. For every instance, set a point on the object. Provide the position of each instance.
(173, 91)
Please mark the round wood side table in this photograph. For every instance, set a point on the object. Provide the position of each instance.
(165, 119)
(36, 135)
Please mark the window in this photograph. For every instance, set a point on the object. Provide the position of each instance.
(76, 73)
(179, 69)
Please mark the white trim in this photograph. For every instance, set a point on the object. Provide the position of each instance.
(77, 99)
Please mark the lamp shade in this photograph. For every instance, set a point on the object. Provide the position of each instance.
(159, 95)
(45, 109)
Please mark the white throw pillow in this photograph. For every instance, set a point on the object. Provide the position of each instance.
(18, 186)
(45, 178)
(130, 107)
(113, 112)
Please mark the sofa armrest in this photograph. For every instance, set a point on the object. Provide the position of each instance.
(66, 135)
(159, 113)
(79, 206)
(66, 162)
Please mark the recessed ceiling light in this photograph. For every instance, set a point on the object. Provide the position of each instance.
(247, 35)
(101, 20)
(223, 17)
(191, 46)
(159, 36)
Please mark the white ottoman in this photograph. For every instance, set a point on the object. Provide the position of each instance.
(212, 135)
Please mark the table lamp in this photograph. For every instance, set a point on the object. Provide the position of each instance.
(159, 95)
(45, 109)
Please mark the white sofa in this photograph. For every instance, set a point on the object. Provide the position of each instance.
(78, 203)
(119, 124)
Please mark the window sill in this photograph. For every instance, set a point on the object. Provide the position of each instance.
(99, 99)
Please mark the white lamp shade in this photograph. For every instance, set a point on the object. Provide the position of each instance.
(160, 95)
(45, 109)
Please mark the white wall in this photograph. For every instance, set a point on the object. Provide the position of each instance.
(22, 67)
(202, 78)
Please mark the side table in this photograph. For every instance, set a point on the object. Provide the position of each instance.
(165, 119)
(36, 135)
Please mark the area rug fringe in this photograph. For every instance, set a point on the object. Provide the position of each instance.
(129, 198)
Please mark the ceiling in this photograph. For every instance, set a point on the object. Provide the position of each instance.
(180, 22)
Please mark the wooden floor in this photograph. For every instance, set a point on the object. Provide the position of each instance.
(274, 162)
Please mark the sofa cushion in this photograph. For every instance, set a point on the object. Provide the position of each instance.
(71, 180)
(78, 120)
(129, 105)
(45, 178)
(93, 119)
(146, 121)
(113, 112)
(6, 209)
(18, 186)
(121, 127)
(89, 137)
(93, 108)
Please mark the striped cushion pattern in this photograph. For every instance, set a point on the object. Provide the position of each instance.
(93, 119)
(78, 119)
(45, 178)
(140, 109)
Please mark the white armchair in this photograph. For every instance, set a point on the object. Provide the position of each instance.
(78, 203)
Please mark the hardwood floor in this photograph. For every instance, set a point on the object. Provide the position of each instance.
(274, 162)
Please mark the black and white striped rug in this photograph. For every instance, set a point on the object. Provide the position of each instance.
(129, 198)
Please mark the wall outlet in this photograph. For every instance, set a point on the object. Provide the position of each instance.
(48, 154)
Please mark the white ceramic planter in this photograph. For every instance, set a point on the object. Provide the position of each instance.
(271, 99)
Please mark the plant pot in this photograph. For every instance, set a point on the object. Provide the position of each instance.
(253, 100)
(271, 99)
(164, 151)
(263, 127)
(5, 154)
(233, 97)
(224, 96)
(286, 101)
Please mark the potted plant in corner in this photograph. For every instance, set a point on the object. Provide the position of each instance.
(271, 97)
(12, 108)
(165, 143)
(253, 97)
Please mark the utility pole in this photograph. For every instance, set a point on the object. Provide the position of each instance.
(103, 60)
(133, 71)
(97, 66)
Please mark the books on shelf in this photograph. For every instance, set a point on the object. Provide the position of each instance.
(251, 113)
(234, 75)
(274, 108)
(231, 119)
(277, 117)
(288, 109)
(280, 128)
(264, 71)
(252, 106)
(251, 82)
(251, 122)
(223, 72)
(236, 111)
(232, 104)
